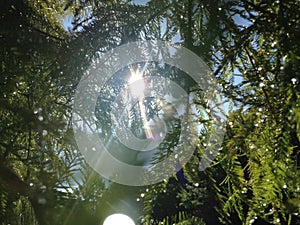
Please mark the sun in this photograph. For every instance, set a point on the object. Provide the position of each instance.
(137, 84)
(117, 219)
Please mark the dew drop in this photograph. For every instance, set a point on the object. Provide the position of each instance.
(45, 132)
(42, 201)
(43, 187)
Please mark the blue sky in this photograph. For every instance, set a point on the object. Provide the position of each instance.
(68, 19)
(238, 20)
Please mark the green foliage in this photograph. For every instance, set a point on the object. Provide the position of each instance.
(262, 144)
(38, 156)
(251, 47)
(182, 219)
(260, 155)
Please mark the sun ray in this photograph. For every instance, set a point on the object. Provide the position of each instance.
(137, 89)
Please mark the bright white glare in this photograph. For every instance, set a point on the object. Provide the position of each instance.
(137, 89)
(137, 84)
(117, 219)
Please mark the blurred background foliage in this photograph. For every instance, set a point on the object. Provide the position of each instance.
(252, 47)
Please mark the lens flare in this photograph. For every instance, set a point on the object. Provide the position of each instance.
(137, 84)
(137, 89)
(117, 219)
